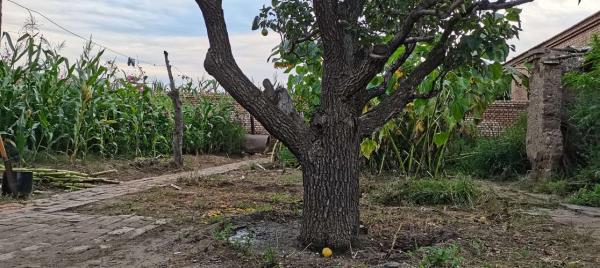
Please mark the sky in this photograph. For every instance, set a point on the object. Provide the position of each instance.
(143, 29)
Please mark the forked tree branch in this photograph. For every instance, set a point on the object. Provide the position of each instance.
(220, 63)
(374, 63)
(391, 106)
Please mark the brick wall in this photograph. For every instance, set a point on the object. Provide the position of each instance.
(250, 124)
(518, 92)
(499, 116)
(248, 121)
(579, 35)
(502, 114)
(582, 39)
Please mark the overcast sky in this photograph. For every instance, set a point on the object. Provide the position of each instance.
(144, 28)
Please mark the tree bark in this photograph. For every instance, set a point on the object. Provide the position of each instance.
(330, 214)
(178, 127)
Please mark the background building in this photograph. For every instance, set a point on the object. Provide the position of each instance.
(504, 113)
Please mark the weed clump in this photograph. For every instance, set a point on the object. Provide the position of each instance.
(559, 187)
(441, 257)
(223, 231)
(458, 192)
(587, 197)
(287, 158)
(500, 158)
(269, 258)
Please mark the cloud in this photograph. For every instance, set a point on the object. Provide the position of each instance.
(542, 19)
(144, 28)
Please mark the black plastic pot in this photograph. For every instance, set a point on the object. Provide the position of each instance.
(24, 184)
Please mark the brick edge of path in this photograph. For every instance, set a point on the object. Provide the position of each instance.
(79, 198)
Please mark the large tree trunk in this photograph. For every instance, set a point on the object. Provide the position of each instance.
(331, 186)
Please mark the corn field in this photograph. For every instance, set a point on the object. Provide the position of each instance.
(50, 106)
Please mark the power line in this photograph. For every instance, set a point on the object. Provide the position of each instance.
(79, 36)
(179, 71)
(90, 40)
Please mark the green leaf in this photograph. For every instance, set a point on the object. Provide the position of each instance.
(496, 70)
(9, 42)
(458, 109)
(513, 14)
(367, 147)
(440, 139)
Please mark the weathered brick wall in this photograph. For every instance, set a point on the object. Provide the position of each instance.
(502, 114)
(499, 116)
(518, 92)
(250, 124)
(582, 39)
(546, 113)
(248, 121)
(578, 36)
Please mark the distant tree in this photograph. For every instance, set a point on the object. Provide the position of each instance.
(362, 44)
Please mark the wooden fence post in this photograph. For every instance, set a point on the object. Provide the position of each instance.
(1, 34)
(178, 128)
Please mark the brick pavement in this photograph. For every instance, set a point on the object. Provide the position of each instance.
(43, 228)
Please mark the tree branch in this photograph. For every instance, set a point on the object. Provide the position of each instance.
(337, 49)
(417, 39)
(220, 63)
(391, 106)
(354, 9)
(394, 104)
(378, 55)
(327, 19)
(487, 5)
(366, 95)
(409, 23)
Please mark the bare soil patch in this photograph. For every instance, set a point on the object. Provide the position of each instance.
(133, 169)
(126, 170)
(251, 218)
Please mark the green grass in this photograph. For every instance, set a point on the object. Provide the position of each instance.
(223, 231)
(269, 258)
(560, 187)
(282, 198)
(459, 192)
(498, 158)
(292, 178)
(441, 257)
(287, 158)
(587, 197)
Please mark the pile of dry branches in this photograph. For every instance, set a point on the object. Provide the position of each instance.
(66, 179)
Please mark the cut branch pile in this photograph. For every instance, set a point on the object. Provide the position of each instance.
(66, 179)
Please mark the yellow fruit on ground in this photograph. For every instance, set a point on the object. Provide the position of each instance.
(327, 252)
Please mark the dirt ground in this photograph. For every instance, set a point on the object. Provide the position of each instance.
(251, 218)
(126, 170)
(137, 168)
